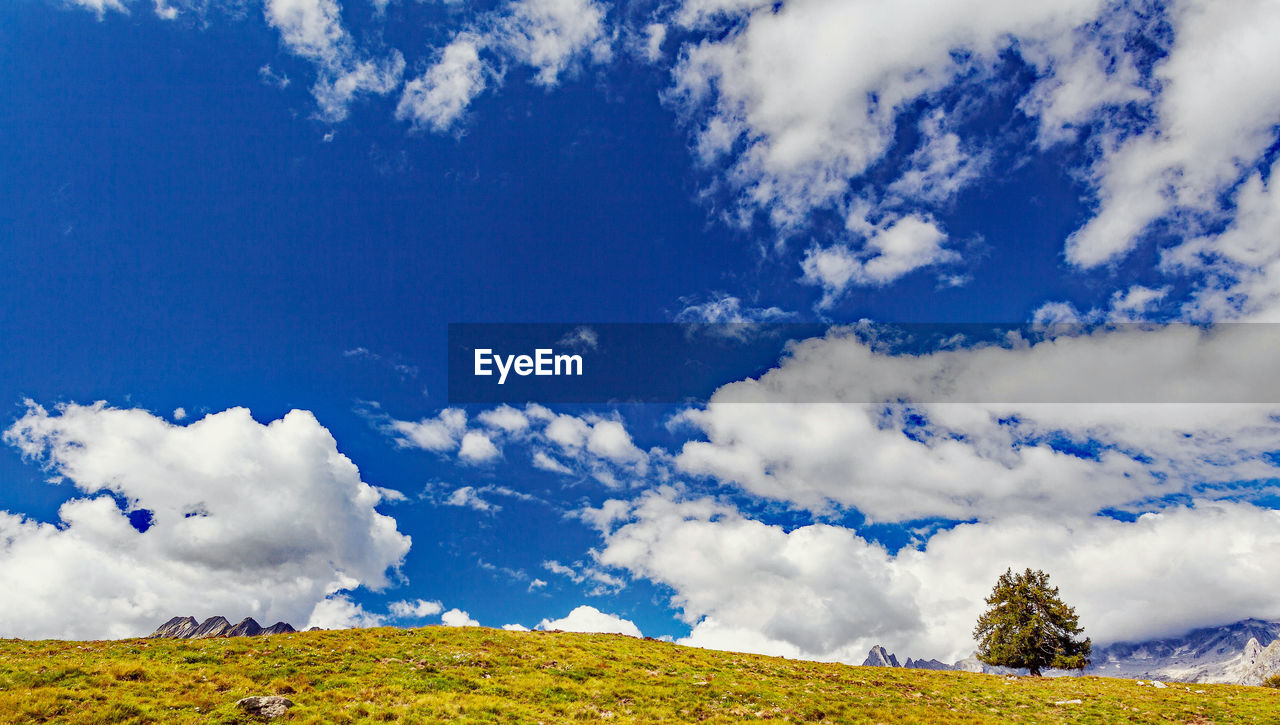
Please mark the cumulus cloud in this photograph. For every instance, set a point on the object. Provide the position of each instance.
(589, 445)
(994, 456)
(339, 612)
(797, 103)
(1237, 271)
(589, 619)
(438, 98)
(1069, 424)
(476, 447)
(246, 519)
(610, 440)
(457, 618)
(1087, 75)
(1135, 303)
(890, 252)
(505, 418)
(417, 609)
(805, 98)
(440, 433)
(545, 462)
(550, 34)
(823, 592)
(468, 497)
(1214, 116)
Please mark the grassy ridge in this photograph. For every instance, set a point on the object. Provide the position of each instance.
(485, 675)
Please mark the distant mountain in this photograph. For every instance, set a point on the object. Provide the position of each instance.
(189, 628)
(1244, 653)
(880, 657)
(1228, 654)
(1264, 665)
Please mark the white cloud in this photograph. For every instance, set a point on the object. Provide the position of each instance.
(700, 13)
(505, 418)
(439, 434)
(592, 620)
(165, 11)
(602, 582)
(822, 592)
(592, 445)
(246, 520)
(417, 609)
(515, 628)
(610, 440)
(551, 34)
(940, 167)
(890, 252)
(1134, 304)
(477, 448)
(1215, 116)
(721, 308)
(458, 618)
(546, 463)
(339, 612)
(806, 98)
(568, 431)
(179, 413)
(654, 35)
(581, 338)
(980, 440)
(101, 6)
(312, 30)
(335, 92)
(439, 96)
(468, 497)
(978, 436)
(813, 589)
(1239, 268)
(1086, 74)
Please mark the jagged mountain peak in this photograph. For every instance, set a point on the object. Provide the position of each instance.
(188, 628)
(880, 657)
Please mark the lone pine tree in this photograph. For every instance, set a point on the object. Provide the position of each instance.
(1027, 626)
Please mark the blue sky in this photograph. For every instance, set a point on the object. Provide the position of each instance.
(212, 205)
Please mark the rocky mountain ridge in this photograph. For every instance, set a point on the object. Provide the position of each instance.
(1243, 653)
(189, 628)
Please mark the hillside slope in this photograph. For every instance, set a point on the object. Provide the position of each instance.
(485, 675)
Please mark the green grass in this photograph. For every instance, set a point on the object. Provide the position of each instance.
(483, 675)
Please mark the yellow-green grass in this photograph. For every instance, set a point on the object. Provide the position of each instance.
(482, 675)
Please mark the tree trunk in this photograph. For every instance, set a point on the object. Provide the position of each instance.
(1035, 671)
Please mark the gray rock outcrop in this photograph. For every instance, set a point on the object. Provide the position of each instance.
(267, 706)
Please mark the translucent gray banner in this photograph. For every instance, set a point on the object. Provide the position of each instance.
(863, 363)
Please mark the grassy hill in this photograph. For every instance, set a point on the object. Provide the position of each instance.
(485, 675)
